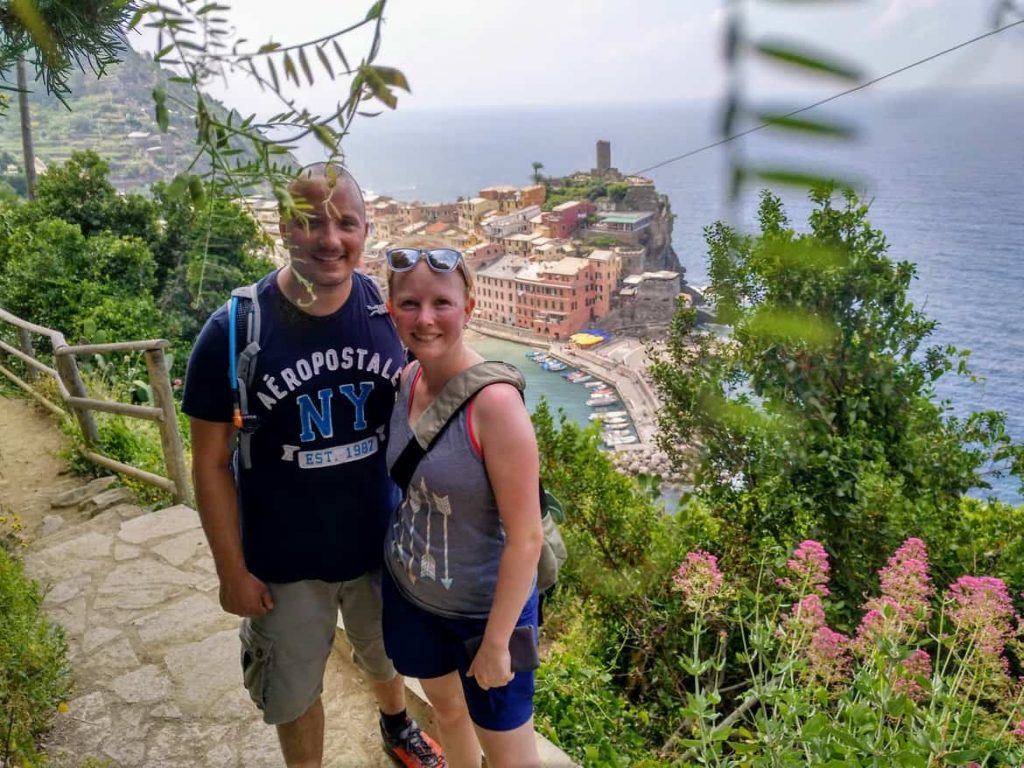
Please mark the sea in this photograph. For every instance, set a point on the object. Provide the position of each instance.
(943, 171)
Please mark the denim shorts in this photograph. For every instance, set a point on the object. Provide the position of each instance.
(425, 645)
(284, 653)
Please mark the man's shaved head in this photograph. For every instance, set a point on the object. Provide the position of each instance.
(331, 174)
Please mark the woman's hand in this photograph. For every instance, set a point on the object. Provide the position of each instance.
(492, 665)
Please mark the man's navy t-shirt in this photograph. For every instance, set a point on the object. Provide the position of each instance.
(316, 502)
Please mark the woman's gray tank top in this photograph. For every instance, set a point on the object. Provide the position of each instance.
(445, 539)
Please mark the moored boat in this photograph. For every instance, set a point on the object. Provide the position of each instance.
(602, 415)
(612, 442)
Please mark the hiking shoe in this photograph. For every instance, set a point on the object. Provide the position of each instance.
(412, 748)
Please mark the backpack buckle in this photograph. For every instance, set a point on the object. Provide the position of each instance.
(247, 423)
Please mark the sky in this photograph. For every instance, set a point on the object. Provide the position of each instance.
(466, 53)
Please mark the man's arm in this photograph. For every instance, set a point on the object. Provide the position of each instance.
(241, 593)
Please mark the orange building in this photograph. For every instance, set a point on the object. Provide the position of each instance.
(558, 298)
(532, 195)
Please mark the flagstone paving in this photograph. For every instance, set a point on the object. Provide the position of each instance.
(155, 661)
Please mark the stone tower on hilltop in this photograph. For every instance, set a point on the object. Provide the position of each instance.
(604, 169)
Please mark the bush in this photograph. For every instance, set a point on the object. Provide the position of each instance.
(35, 677)
(577, 704)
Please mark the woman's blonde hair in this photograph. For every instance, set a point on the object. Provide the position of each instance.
(426, 243)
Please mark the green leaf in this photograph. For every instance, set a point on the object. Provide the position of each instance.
(326, 136)
(138, 15)
(962, 757)
(273, 74)
(304, 63)
(289, 69)
(393, 77)
(375, 10)
(378, 87)
(268, 47)
(795, 178)
(210, 7)
(325, 61)
(196, 190)
(806, 59)
(341, 56)
(804, 125)
(160, 102)
(178, 186)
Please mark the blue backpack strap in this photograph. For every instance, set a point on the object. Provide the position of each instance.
(243, 323)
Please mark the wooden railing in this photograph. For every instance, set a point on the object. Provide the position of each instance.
(74, 394)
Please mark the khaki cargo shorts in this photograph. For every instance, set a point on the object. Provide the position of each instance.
(284, 653)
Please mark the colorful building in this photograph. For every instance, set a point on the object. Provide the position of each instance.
(471, 211)
(496, 290)
(563, 221)
(557, 298)
(497, 227)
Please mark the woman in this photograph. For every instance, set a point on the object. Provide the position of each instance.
(463, 546)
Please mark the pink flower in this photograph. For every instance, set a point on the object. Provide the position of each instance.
(904, 606)
(983, 613)
(906, 581)
(916, 665)
(810, 568)
(828, 655)
(698, 579)
(826, 651)
(808, 614)
(1019, 730)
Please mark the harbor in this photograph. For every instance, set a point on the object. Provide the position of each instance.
(603, 384)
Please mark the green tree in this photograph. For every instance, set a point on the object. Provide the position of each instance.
(78, 191)
(43, 266)
(536, 176)
(56, 38)
(203, 252)
(817, 417)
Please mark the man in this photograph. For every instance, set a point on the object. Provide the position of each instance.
(301, 532)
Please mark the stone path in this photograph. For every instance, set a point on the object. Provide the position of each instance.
(155, 660)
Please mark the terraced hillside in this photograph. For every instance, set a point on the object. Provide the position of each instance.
(114, 117)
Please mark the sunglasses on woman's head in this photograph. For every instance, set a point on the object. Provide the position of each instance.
(438, 259)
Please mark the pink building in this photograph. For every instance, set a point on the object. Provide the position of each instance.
(558, 298)
(483, 254)
(496, 290)
(563, 221)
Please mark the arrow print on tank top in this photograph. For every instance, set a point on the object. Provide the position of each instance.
(445, 508)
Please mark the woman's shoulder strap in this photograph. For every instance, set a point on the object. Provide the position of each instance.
(458, 391)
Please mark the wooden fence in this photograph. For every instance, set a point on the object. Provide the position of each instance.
(75, 396)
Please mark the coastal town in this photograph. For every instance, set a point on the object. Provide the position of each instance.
(581, 269)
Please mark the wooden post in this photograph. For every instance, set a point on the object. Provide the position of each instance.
(28, 151)
(25, 342)
(170, 436)
(68, 370)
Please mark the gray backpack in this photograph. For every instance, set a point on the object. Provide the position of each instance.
(436, 418)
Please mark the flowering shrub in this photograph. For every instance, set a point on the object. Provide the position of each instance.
(918, 684)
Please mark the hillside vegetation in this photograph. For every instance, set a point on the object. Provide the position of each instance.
(114, 117)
